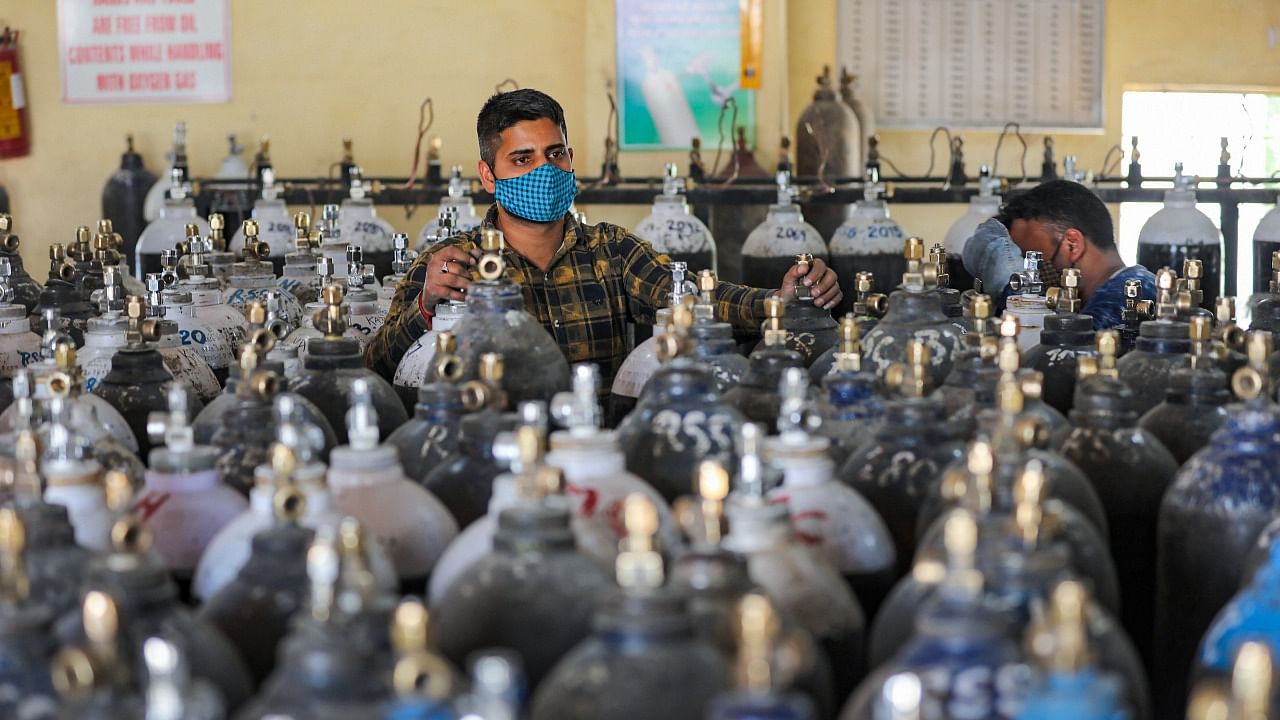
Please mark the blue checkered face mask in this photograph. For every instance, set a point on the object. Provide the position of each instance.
(542, 195)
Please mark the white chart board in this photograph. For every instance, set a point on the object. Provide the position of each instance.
(976, 63)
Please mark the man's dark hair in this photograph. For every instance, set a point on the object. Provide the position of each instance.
(1063, 204)
(508, 108)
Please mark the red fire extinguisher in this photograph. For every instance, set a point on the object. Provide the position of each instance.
(15, 128)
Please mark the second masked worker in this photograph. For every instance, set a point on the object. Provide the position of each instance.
(584, 283)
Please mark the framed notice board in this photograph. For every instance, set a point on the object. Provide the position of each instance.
(976, 63)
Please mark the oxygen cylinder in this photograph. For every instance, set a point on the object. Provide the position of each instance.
(1195, 405)
(252, 278)
(1266, 243)
(1071, 685)
(185, 361)
(426, 685)
(92, 423)
(644, 637)
(1129, 469)
(1027, 301)
(867, 308)
(129, 591)
(229, 550)
(139, 381)
(417, 365)
(851, 403)
(713, 339)
(868, 241)
(957, 636)
(55, 563)
(300, 276)
(674, 231)
(275, 228)
(254, 610)
(1249, 616)
(368, 483)
(534, 593)
(26, 291)
(982, 207)
(1218, 504)
(1179, 232)
(1162, 345)
(1066, 336)
(432, 433)
(214, 345)
(827, 514)
(28, 647)
(495, 323)
(336, 662)
(162, 233)
(796, 577)
(463, 480)
(911, 446)
(401, 260)
(596, 479)
(828, 145)
(362, 227)
(94, 685)
(359, 303)
(176, 159)
(756, 394)
(226, 324)
(760, 680)
(462, 219)
(184, 502)
(770, 249)
(680, 421)
(1263, 307)
(62, 295)
(914, 311)
(332, 365)
(73, 479)
(124, 197)
(18, 345)
(997, 481)
(971, 384)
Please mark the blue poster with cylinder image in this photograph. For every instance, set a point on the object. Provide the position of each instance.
(678, 62)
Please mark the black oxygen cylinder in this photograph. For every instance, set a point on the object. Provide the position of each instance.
(4, 199)
(124, 197)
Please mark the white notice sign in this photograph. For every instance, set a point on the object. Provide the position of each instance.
(159, 51)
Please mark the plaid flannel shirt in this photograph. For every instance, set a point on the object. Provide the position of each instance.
(601, 278)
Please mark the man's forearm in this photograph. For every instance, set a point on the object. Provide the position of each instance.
(741, 306)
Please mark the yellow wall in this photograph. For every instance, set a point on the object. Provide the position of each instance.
(308, 72)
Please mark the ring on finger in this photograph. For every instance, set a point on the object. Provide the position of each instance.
(444, 267)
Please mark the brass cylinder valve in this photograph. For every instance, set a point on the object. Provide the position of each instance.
(217, 228)
(492, 266)
(866, 300)
(911, 377)
(141, 329)
(848, 355)
(1253, 382)
(1108, 344)
(486, 391)
(803, 262)
(446, 366)
(1192, 279)
(1066, 299)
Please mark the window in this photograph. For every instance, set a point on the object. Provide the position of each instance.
(1187, 127)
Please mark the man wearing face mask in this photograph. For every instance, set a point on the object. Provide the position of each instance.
(582, 282)
(1070, 227)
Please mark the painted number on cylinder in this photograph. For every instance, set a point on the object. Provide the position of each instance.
(977, 692)
(28, 357)
(192, 336)
(789, 233)
(683, 228)
(368, 228)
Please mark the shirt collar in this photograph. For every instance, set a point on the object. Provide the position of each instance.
(571, 227)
